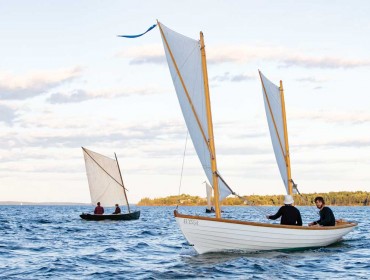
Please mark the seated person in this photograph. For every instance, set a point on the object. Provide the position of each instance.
(99, 210)
(117, 210)
(288, 213)
(326, 215)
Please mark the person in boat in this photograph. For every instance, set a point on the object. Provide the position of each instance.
(288, 213)
(210, 210)
(326, 214)
(99, 210)
(117, 210)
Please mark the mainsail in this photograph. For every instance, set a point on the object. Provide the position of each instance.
(209, 195)
(184, 60)
(105, 181)
(273, 97)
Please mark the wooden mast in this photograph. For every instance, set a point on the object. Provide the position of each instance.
(287, 156)
(210, 128)
(124, 190)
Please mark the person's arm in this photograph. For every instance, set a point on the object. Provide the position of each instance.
(277, 215)
(102, 210)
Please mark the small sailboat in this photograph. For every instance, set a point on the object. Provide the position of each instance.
(209, 208)
(106, 186)
(186, 59)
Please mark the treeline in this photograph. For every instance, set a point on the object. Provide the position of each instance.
(358, 198)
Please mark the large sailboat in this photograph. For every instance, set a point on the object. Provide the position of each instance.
(106, 186)
(186, 59)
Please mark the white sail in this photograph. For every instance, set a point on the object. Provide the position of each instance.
(209, 195)
(104, 179)
(274, 114)
(189, 85)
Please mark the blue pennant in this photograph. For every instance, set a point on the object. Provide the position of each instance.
(135, 36)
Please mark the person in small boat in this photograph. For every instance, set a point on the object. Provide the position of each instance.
(99, 210)
(117, 210)
(288, 213)
(327, 217)
(210, 210)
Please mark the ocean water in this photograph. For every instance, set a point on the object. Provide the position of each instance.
(52, 242)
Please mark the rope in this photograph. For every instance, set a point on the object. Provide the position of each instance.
(182, 167)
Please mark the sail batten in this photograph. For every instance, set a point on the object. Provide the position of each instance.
(105, 182)
(275, 113)
(185, 64)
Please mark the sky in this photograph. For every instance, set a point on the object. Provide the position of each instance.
(67, 81)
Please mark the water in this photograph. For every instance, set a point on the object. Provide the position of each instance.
(38, 242)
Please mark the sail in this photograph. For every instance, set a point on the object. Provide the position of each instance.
(185, 63)
(275, 119)
(209, 195)
(104, 179)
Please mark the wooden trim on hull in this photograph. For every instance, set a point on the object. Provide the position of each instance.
(220, 220)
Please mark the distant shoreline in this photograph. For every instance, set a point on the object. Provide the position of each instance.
(357, 198)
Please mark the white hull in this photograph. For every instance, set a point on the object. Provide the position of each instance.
(214, 235)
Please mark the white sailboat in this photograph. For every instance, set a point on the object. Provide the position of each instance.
(106, 186)
(209, 208)
(186, 59)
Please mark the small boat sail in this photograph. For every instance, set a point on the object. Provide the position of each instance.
(106, 186)
(186, 59)
(209, 208)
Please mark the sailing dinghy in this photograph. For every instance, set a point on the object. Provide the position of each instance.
(186, 59)
(106, 186)
(209, 208)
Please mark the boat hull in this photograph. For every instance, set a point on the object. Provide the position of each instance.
(214, 235)
(117, 217)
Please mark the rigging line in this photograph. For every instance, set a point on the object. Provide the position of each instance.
(183, 161)
(103, 168)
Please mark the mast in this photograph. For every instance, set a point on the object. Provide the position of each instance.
(210, 128)
(124, 190)
(287, 156)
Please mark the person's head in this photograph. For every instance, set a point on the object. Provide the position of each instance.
(98, 203)
(319, 201)
(288, 199)
(116, 205)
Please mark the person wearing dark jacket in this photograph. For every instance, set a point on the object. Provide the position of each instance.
(288, 213)
(99, 210)
(117, 210)
(326, 215)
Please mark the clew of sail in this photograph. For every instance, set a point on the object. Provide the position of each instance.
(185, 64)
(275, 113)
(105, 182)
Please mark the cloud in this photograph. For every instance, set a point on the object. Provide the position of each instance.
(311, 80)
(80, 95)
(153, 54)
(13, 87)
(232, 78)
(7, 114)
(333, 117)
(284, 57)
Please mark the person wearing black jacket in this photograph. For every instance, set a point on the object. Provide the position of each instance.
(288, 213)
(326, 215)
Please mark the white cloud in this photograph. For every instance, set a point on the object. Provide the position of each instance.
(81, 95)
(19, 87)
(284, 57)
